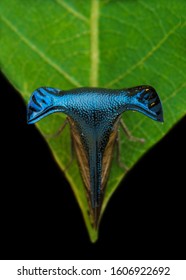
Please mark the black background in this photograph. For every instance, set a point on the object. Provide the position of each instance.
(40, 218)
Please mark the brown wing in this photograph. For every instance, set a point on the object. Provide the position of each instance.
(108, 155)
(81, 154)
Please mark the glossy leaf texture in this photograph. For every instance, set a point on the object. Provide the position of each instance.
(100, 43)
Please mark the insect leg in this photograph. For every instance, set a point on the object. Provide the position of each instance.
(72, 154)
(128, 133)
(60, 130)
(118, 153)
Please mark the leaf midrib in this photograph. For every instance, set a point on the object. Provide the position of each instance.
(94, 43)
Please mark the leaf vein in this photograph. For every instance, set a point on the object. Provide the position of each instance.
(141, 61)
(183, 85)
(34, 48)
(67, 40)
(123, 34)
(72, 11)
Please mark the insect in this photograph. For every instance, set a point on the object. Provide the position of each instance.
(94, 115)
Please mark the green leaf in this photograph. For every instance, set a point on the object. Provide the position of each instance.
(115, 44)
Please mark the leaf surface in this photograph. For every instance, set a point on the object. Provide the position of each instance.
(114, 44)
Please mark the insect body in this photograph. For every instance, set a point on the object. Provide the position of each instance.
(94, 114)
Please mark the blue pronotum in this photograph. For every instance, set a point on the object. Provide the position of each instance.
(94, 115)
